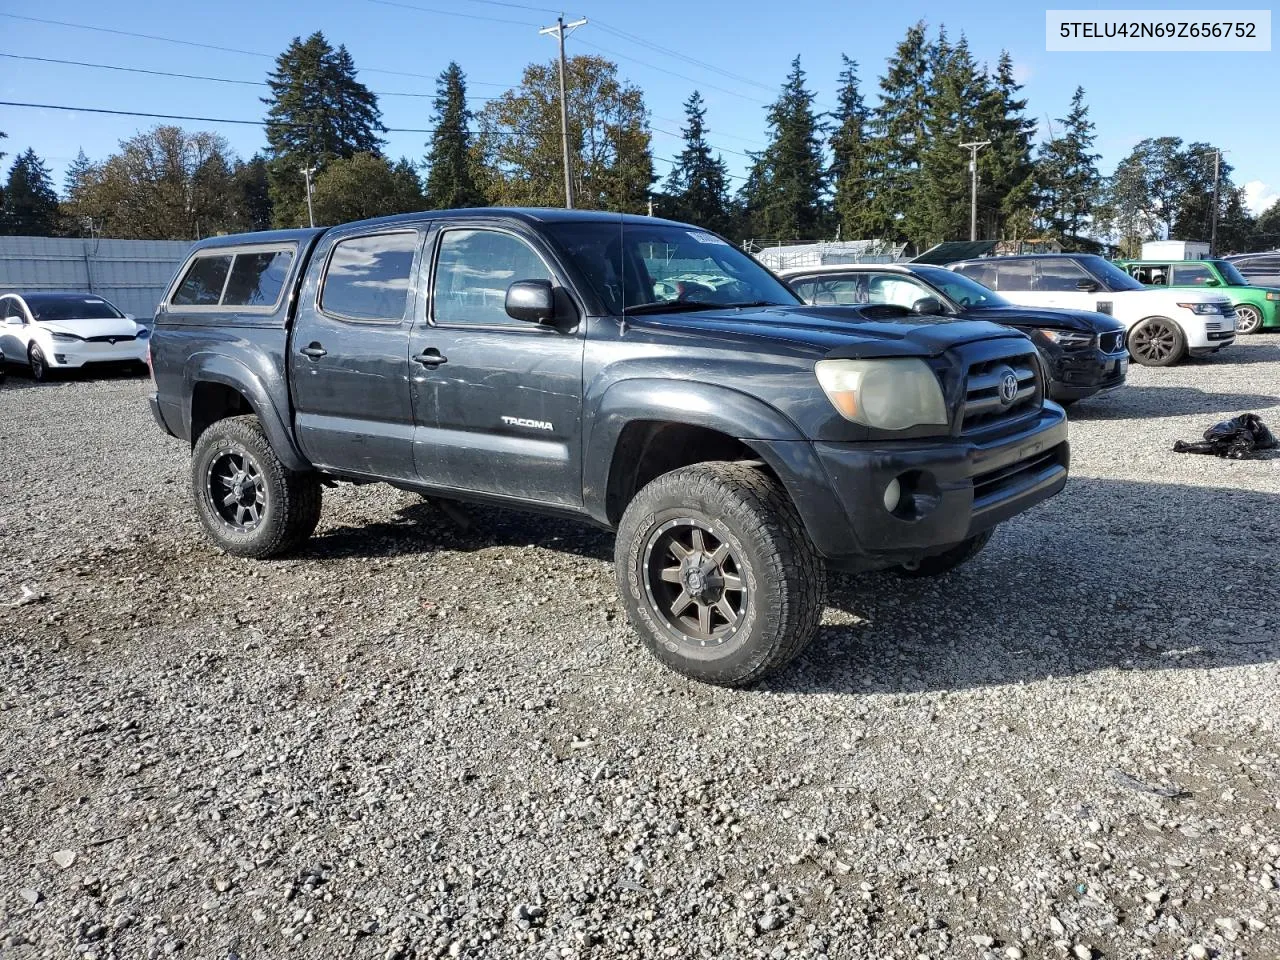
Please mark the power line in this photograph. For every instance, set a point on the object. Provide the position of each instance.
(195, 76)
(680, 136)
(716, 133)
(249, 123)
(705, 86)
(731, 176)
(209, 46)
(633, 38)
(453, 13)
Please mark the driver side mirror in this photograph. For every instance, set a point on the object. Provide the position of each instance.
(928, 307)
(1211, 282)
(1087, 285)
(532, 301)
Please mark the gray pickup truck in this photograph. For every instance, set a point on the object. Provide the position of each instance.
(638, 374)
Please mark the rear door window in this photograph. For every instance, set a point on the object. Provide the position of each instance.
(202, 286)
(257, 278)
(1191, 275)
(1014, 275)
(368, 277)
(1151, 274)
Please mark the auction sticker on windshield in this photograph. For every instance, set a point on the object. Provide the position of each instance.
(705, 237)
(1158, 30)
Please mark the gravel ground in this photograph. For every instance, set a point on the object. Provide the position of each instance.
(410, 741)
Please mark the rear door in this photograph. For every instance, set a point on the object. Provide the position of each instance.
(349, 351)
(498, 401)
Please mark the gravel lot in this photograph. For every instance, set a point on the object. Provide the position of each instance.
(411, 741)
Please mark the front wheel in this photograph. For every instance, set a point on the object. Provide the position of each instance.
(717, 573)
(37, 363)
(941, 563)
(250, 504)
(1248, 319)
(1157, 342)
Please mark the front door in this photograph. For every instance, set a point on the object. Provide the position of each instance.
(349, 362)
(498, 401)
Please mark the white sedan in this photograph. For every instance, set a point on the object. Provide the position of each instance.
(65, 331)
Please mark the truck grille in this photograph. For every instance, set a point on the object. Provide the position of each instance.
(991, 398)
(1111, 342)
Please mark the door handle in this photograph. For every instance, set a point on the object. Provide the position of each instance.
(431, 358)
(314, 351)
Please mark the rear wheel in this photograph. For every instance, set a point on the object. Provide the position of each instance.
(1248, 319)
(717, 574)
(250, 504)
(1157, 342)
(941, 563)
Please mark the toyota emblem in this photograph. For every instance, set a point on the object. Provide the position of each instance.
(1008, 388)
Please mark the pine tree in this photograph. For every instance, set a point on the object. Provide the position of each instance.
(30, 206)
(1007, 192)
(696, 188)
(75, 184)
(851, 159)
(318, 112)
(1070, 185)
(784, 194)
(77, 174)
(956, 90)
(898, 128)
(450, 180)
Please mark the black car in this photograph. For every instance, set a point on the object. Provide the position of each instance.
(1260, 269)
(1084, 351)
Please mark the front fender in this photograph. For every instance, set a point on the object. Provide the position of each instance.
(696, 404)
(211, 367)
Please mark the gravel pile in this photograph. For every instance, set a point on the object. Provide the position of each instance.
(412, 741)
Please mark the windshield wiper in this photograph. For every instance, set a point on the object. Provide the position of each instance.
(669, 306)
(753, 303)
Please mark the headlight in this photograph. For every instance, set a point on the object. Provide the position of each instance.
(60, 337)
(1067, 338)
(1203, 308)
(885, 394)
(143, 333)
(1273, 294)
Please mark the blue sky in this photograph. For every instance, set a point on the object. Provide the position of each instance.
(1225, 98)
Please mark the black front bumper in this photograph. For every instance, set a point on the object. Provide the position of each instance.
(961, 486)
(1080, 374)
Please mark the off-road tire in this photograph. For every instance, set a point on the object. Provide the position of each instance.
(293, 500)
(941, 563)
(749, 512)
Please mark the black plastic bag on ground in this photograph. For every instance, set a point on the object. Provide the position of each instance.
(1236, 439)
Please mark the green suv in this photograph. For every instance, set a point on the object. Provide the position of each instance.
(1257, 308)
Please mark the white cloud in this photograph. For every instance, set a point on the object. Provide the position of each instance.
(1259, 197)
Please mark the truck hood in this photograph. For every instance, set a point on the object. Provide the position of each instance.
(1052, 317)
(852, 332)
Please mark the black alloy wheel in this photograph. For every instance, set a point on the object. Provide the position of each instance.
(694, 581)
(1157, 343)
(236, 489)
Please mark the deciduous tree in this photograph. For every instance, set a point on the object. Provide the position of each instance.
(363, 186)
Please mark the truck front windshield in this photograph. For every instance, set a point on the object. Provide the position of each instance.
(650, 268)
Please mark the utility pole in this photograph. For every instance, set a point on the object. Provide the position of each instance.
(1213, 230)
(973, 149)
(562, 30)
(307, 172)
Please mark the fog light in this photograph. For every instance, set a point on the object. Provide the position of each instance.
(60, 357)
(892, 495)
